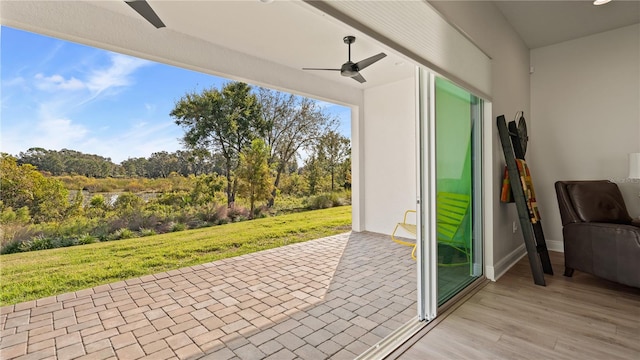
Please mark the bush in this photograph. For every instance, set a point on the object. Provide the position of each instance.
(127, 201)
(11, 247)
(147, 232)
(65, 242)
(122, 234)
(86, 239)
(323, 201)
(37, 243)
(237, 213)
(178, 227)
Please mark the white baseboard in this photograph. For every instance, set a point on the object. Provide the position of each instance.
(495, 272)
(555, 245)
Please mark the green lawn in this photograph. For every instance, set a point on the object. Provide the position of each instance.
(38, 274)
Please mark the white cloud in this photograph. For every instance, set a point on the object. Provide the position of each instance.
(99, 81)
(118, 74)
(49, 133)
(57, 82)
(16, 81)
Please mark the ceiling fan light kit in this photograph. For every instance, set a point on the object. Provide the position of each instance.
(351, 69)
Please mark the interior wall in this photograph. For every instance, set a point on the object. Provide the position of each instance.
(389, 154)
(585, 97)
(487, 27)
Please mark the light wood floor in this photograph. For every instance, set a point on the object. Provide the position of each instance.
(571, 318)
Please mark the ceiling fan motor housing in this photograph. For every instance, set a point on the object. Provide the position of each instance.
(349, 69)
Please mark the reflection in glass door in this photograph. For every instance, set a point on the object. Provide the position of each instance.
(457, 188)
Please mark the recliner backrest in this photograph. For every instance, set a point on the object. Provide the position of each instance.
(591, 201)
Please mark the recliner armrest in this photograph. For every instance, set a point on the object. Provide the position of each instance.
(610, 251)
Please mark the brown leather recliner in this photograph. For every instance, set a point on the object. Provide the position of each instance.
(600, 237)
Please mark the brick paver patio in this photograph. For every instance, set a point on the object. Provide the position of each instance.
(327, 298)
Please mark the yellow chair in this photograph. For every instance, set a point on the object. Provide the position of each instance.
(408, 227)
(451, 210)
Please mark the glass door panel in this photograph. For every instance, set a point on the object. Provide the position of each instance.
(457, 170)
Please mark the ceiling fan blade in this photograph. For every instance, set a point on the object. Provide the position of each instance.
(143, 8)
(320, 69)
(368, 61)
(359, 78)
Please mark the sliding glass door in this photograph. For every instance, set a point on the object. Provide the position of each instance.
(458, 221)
(450, 136)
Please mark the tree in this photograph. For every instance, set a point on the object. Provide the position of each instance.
(254, 174)
(224, 121)
(160, 164)
(23, 185)
(333, 150)
(293, 123)
(68, 161)
(135, 167)
(314, 173)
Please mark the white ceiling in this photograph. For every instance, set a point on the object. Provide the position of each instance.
(542, 23)
(289, 32)
(286, 32)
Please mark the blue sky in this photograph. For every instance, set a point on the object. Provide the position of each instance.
(57, 94)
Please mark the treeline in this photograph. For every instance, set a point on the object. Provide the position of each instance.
(242, 147)
(159, 165)
(39, 212)
(236, 132)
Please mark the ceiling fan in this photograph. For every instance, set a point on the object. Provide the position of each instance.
(351, 69)
(143, 8)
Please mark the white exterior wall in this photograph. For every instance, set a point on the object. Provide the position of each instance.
(483, 22)
(585, 96)
(389, 154)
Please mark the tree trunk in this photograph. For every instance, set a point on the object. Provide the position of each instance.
(229, 193)
(275, 187)
(332, 179)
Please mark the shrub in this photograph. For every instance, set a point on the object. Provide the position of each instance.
(122, 234)
(37, 243)
(86, 239)
(134, 186)
(178, 227)
(147, 232)
(237, 213)
(98, 201)
(127, 201)
(65, 242)
(323, 201)
(11, 247)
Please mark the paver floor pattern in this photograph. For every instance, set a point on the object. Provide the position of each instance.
(327, 298)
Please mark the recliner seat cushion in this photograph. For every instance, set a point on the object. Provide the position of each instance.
(599, 202)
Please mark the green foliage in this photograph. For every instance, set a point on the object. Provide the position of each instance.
(86, 239)
(147, 232)
(122, 233)
(23, 185)
(68, 162)
(327, 200)
(127, 202)
(293, 123)
(81, 267)
(37, 243)
(332, 151)
(253, 173)
(178, 227)
(294, 185)
(8, 216)
(223, 120)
